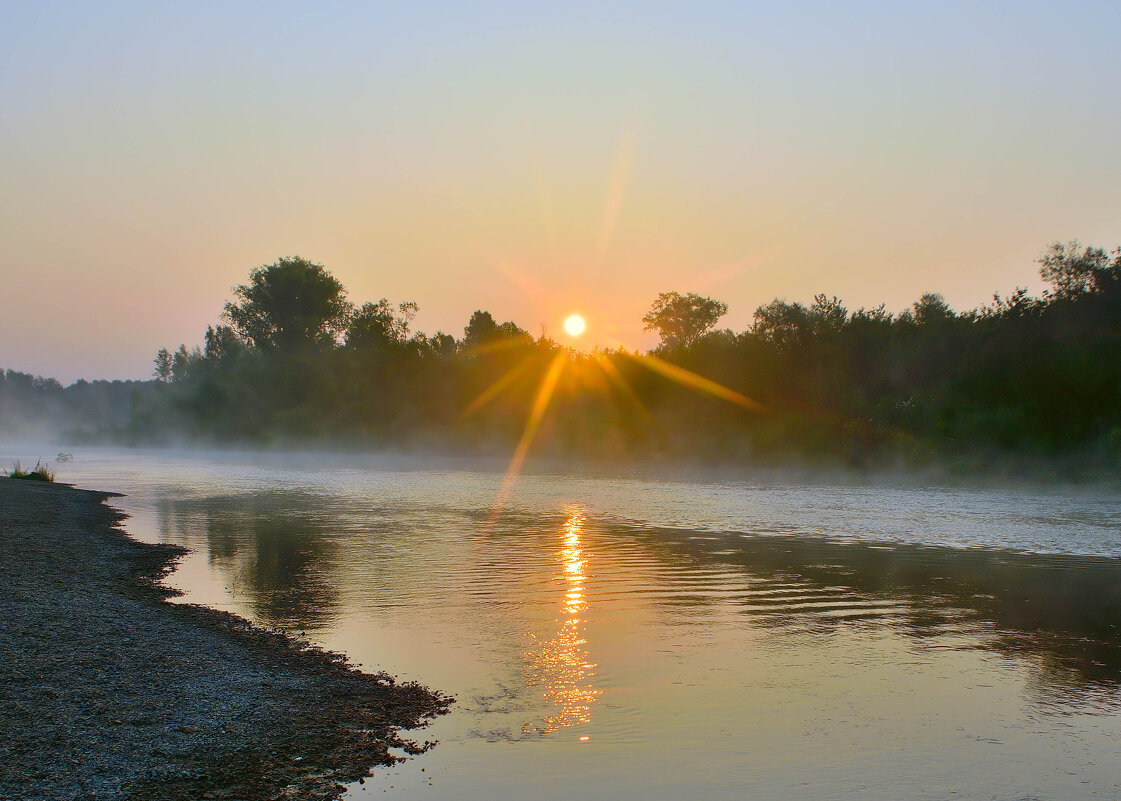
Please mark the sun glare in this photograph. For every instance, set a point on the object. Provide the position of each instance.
(574, 325)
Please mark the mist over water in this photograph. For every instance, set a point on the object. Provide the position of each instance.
(638, 638)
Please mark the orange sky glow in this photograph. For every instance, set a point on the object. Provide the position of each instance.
(534, 163)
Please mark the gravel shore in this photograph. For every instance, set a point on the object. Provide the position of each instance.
(109, 692)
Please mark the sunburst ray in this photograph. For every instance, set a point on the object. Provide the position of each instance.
(491, 392)
(694, 381)
(609, 369)
(616, 190)
(532, 423)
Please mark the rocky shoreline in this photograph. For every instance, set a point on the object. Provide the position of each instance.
(109, 692)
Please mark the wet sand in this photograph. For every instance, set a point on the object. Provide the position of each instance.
(109, 692)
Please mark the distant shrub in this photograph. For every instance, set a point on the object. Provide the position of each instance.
(39, 473)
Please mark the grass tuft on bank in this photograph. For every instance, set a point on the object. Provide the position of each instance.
(39, 473)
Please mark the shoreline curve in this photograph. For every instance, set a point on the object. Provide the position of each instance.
(107, 691)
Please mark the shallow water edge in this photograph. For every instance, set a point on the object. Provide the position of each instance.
(110, 692)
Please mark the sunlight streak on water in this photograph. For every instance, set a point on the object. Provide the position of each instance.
(561, 665)
(629, 638)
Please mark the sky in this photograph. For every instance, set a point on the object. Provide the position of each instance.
(536, 160)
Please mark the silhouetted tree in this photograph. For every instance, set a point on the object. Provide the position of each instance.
(1072, 270)
(372, 326)
(377, 325)
(781, 324)
(930, 309)
(180, 364)
(681, 319)
(479, 329)
(290, 304)
(442, 344)
(828, 315)
(163, 365)
(221, 342)
(482, 329)
(404, 318)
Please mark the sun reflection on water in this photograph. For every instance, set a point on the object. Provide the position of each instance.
(560, 666)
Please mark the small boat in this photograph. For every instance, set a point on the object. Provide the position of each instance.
(64, 456)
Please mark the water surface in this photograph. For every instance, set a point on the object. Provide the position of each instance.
(626, 637)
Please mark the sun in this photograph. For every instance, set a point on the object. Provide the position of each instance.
(574, 325)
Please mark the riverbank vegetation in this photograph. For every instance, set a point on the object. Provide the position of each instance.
(38, 473)
(36, 408)
(1023, 379)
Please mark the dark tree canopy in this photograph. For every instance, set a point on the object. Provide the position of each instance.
(377, 325)
(931, 309)
(181, 363)
(443, 344)
(681, 320)
(828, 314)
(221, 343)
(372, 326)
(162, 361)
(482, 329)
(781, 324)
(479, 329)
(290, 304)
(1072, 270)
(1026, 377)
(791, 325)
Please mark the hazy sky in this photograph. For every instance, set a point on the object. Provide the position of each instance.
(533, 161)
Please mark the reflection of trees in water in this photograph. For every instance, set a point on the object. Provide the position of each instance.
(1060, 613)
(273, 547)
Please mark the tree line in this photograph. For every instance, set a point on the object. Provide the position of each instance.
(1023, 379)
(34, 407)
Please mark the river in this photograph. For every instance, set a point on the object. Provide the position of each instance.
(632, 637)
